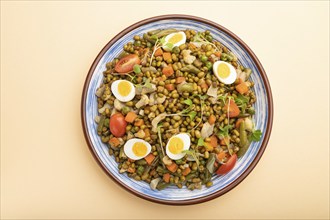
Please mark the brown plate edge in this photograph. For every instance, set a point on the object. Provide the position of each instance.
(266, 135)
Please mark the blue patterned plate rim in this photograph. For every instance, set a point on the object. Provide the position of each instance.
(266, 88)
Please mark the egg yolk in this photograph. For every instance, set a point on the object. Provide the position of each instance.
(124, 88)
(223, 71)
(139, 149)
(175, 38)
(175, 145)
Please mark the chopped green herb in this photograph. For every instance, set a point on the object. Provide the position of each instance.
(202, 97)
(242, 102)
(188, 102)
(136, 69)
(200, 142)
(162, 40)
(255, 135)
(146, 84)
(224, 98)
(242, 99)
(192, 115)
(169, 46)
(224, 132)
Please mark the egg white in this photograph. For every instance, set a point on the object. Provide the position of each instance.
(128, 148)
(115, 92)
(186, 144)
(232, 75)
(182, 41)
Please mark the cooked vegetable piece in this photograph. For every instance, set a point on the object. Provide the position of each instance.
(180, 79)
(189, 59)
(248, 124)
(158, 52)
(186, 171)
(114, 142)
(225, 141)
(143, 101)
(167, 160)
(154, 183)
(242, 88)
(217, 54)
(147, 132)
(233, 109)
(221, 155)
(238, 122)
(204, 86)
(131, 170)
(210, 163)
(165, 32)
(170, 87)
(190, 68)
(162, 185)
(101, 124)
(242, 135)
(185, 87)
(208, 146)
(172, 167)
(207, 130)
(149, 158)
(212, 119)
(214, 141)
(156, 120)
(168, 71)
(130, 117)
(166, 177)
(138, 122)
(140, 134)
(167, 56)
(244, 142)
(150, 69)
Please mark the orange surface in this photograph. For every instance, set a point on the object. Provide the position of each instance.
(47, 170)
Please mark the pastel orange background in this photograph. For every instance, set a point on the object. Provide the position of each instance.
(47, 170)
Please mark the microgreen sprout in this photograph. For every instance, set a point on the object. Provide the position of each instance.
(200, 38)
(158, 44)
(192, 153)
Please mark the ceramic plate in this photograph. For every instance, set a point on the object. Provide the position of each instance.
(263, 107)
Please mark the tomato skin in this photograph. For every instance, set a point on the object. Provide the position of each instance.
(228, 166)
(117, 125)
(127, 63)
